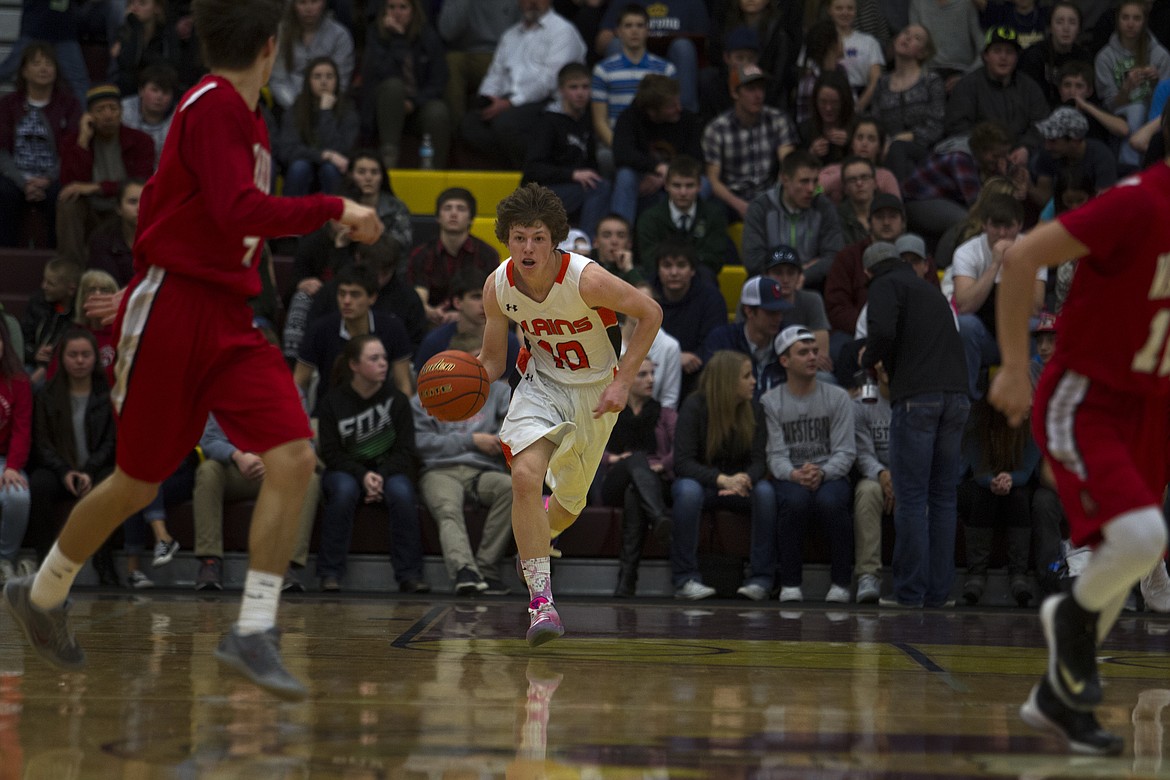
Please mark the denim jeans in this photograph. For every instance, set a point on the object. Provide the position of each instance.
(587, 205)
(342, 494)
(831, 507)
(926, 433)
(691, 498)
(301, 174)
(14, 506)
(979, 350)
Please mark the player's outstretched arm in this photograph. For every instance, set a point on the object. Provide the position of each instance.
(494, 353)
(1048, 245)
(601, 289)
(362, 221)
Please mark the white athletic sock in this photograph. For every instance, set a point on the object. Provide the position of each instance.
(53, 581)
(261, 598)
(1132, 543)
(538, 577)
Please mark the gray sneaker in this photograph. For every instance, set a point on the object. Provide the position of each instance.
(47, 632)
(257, 657)
(869, 589)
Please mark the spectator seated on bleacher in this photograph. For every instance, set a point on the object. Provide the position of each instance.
(743, 147)
(308, 31)
(691, 306)
(613, 249)
(145, 39)
(720, 462)
(395, 295)
(228, 474)
(946, 184)
(16, 416)
(909, 102)
(975, 274)
(153, 107)
(826, 132)
(1000, 461)
(616, 77)
(958, 37)
(57, 26)
(866, 140)
(792, 212)
(62, 469)
(863, 58)
(648, 135)
(93, 282)
(369, 184)
(562, 152)
(462, 462)
(1070, 153)
(379, 467)
(686, 217)
(94, 162)
(471, 30)
(637, 469)
(857, 175)
(404, 76)
(811, 449)
(873, 488)
(764, 311)
(357, 291)
(33, 121)
(48, 315)
(111, 245)
(764, 34)
(997, 92)
(434, 266)
(521, 79)
(317, 133)
(678, 30)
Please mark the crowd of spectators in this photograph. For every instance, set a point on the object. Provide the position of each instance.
(814, 144)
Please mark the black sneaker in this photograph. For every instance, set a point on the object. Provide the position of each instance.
(495, 587)
(48, 632)
(1071, 633)
(257, 657)
(292, 583)
(210, 575)
(468, 583)
(1045, 712)
(413, 586)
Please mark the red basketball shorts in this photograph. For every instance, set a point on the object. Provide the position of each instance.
(187, 348)
(1107, 448)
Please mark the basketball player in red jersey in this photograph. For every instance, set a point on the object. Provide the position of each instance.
(572, 381)
(1100, 419)
(187, 346)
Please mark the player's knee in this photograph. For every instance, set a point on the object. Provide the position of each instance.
(293, 462)
(1140, 535)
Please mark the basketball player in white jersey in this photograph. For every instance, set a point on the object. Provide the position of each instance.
(572, 384)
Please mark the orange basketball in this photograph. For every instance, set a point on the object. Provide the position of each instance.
(452, 385)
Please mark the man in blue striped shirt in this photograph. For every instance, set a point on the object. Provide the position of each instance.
(616, 78)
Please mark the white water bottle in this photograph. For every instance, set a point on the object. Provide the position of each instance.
(426, 153)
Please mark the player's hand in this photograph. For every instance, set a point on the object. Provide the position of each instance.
(104, 306)
(613, 399)
(362, 221)
(1011, 393)
(11, 478)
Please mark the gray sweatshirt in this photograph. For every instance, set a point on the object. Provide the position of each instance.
(816, 428)
(872, 425)
(443, 444)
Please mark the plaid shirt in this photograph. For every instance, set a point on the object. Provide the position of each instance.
(433, 268)
(746, 156)
(950, 176)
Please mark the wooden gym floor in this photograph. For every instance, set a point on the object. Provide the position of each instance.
(441, 688)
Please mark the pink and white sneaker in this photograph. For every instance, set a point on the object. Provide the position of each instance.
(545, 624)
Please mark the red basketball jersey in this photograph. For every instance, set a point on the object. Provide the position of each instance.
(206, 210)
(1115, 323)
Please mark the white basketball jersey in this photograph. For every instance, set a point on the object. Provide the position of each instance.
(569, 342)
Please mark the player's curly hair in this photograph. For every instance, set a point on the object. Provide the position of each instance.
(529, 205)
